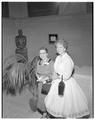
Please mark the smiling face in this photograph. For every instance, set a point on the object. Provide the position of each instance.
(43, 54)
(60, 48)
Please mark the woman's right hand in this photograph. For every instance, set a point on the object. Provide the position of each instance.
(38, 77)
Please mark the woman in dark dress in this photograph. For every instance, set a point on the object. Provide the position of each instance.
(44, 73)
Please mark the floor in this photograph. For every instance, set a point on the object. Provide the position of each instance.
(18, 106)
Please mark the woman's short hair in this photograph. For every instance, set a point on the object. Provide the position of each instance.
(62, 42)
(44, 48)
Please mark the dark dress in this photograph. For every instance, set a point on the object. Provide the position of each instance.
(43, 70)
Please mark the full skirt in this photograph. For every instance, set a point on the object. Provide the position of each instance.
(73, 104)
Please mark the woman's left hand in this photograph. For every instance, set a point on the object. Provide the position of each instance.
(44, 79)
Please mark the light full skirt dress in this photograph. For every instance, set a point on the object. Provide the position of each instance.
(73, 104)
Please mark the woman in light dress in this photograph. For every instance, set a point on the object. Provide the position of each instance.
(73, 104)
